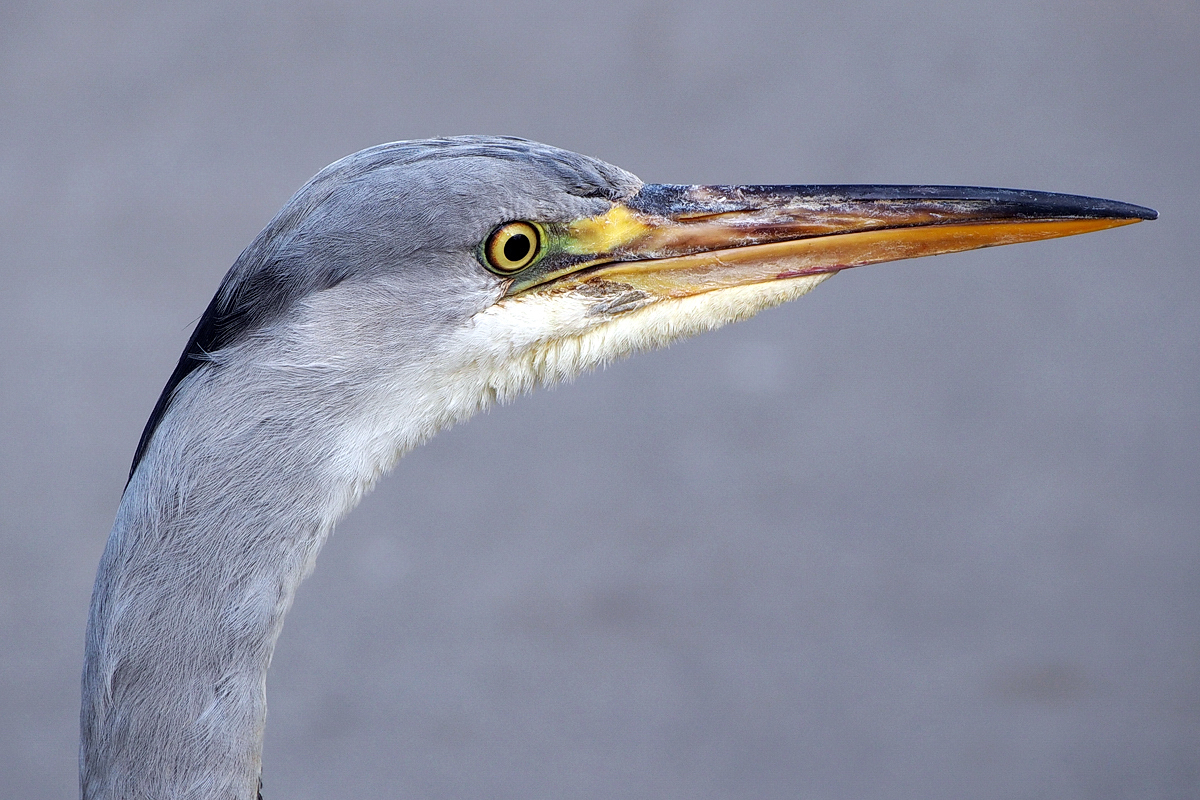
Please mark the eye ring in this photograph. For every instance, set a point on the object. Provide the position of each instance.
(512, 247)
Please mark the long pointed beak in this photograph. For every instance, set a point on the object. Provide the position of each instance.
(675, 241)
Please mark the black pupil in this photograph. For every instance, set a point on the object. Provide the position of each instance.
(517, 247)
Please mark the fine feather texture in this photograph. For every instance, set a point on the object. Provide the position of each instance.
(524, 342)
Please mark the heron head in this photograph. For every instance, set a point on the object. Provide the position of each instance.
(479, 267)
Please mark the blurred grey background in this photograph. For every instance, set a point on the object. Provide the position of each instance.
(930, 532)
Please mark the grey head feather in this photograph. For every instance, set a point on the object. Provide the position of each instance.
(419, 207)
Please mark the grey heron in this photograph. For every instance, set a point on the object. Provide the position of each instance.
(402, 289)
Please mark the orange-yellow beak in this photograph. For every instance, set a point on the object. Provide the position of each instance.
(676, 241)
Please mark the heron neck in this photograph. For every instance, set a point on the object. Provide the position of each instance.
(214, 533)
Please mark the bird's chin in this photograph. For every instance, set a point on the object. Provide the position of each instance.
(553, 334)
(694, 309)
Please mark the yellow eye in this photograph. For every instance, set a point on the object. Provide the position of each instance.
(512, 247)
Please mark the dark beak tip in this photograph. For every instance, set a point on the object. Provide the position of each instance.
(1114, 209)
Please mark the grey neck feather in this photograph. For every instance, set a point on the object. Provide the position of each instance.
(193, 588)
(262, 450)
